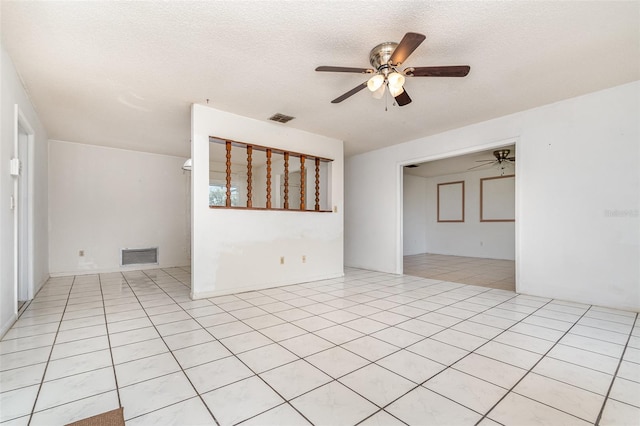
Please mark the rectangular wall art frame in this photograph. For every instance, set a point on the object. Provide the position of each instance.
(497, 199)
(451, 201)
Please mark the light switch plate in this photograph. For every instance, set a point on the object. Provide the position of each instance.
(14, 167)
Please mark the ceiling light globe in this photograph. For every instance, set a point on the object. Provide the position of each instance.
(375, 82)
(379, 93)
(395, 90)
(395, 79)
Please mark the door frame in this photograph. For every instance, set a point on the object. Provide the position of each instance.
(23, 220)
(515, 140)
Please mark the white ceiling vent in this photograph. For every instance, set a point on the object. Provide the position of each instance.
(281, 118)
(143, 256)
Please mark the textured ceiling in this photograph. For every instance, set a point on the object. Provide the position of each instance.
(124, 74)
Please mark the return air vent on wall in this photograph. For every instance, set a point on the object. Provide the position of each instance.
(281, 118)
(148, 256)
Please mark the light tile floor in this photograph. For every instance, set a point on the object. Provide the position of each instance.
(369, 349)
(494, 273)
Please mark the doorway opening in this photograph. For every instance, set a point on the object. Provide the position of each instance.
(23, 210)
(459, 217)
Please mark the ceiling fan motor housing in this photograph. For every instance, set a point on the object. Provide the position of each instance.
(501, 154)
(380, 55)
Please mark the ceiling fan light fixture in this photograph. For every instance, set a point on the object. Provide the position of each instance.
(375, 82)
(395, 91)
(384, 60)
(395, 79)
(379, 93)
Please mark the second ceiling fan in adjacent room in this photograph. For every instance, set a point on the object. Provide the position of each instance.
(385, 58)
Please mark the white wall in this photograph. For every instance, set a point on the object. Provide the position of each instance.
(13, 93)
(236, 250)
(578, 161)
(493, 240)
(415, 213)
(104, 199)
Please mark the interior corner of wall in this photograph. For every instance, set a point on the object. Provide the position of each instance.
(7, 325)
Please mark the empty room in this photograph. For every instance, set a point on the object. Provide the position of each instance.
(320, 213)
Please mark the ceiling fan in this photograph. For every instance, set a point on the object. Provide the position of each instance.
(385, 58)
(502, 160)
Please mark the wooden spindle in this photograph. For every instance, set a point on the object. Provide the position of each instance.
(268, 178)
(317, 184)
(228, 200)
(286, 180)
(302, 182)
(249, 170)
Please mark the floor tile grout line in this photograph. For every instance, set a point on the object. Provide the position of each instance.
(448, 367)
(387, 310)
(591, 351)
(27, 349)
(113, 364)
(237, 358)
(29, 302)
(381, 410)
(615, 374)
(162, 408)
(188, 286)
(71, 402)
(359, 337)
(579, 335)
(171, 352)
(451, 366)
(44, 374)
(539, 374)
(241, 361)
(373, 362)
(603, 329)
(573, 363)
(506, 344)
(389, 326)
(33, 325)
(415, 318)
(303, 359)
(511, 390)
(284, 402)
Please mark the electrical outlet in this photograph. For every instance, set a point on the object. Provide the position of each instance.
(304, 259)
(81, 253)
(282, 260)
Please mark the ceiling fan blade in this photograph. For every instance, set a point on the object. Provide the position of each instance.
(407, 45)
(349, 93)
(482, 165)
(403, 98)
(485, 161)
(447, 71)
(345, 69)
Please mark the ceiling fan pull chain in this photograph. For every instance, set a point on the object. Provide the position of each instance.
(386, 100)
